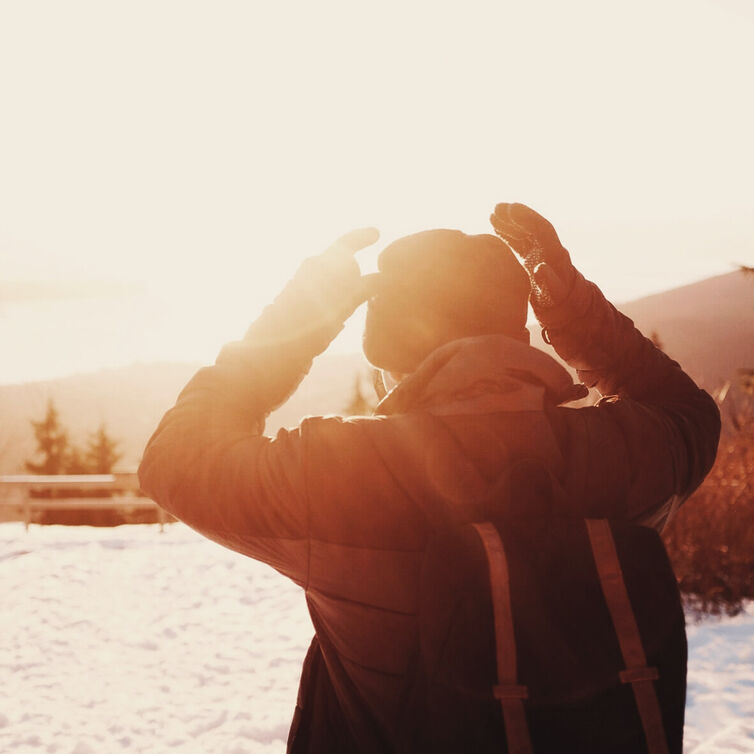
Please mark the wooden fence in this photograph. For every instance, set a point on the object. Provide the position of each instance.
(19, 503)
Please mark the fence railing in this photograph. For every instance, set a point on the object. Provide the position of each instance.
(18, 498)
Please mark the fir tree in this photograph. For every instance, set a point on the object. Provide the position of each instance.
(52, 444)
(101, 453)
(75, 463)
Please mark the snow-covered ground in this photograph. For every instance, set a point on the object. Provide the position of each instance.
(132, 640)
(720, 698)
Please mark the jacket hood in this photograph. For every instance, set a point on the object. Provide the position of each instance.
(481, 375)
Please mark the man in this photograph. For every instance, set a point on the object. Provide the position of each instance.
(346, 508)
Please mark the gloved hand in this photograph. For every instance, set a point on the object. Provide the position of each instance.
(333, 280)
(321, 296)
(535, 241)
(277, 351)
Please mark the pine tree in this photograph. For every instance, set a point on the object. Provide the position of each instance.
(101, 453)
(746, 378)
(75, 463)
(52, 444)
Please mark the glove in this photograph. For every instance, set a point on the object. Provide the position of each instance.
(535, 241)
(277, 351)
(312, 308)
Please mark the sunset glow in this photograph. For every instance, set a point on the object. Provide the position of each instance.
(201, 151)
(417, 333)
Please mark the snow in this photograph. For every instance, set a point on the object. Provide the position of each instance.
(131, 640)
(720, 697)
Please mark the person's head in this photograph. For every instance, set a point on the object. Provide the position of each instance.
(440, 285)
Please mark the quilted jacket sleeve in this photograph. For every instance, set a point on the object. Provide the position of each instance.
(209, 464)
(652, 439)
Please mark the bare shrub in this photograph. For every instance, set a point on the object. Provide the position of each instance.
(711, 540)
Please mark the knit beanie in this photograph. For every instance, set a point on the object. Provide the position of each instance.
(458, 285)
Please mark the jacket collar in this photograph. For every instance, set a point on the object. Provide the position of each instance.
(482, 375)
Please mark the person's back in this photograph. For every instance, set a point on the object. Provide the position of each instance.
(347, 509)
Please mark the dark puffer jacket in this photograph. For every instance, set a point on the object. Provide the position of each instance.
(345, 508)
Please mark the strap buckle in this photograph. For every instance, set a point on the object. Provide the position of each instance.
(633, 675)
(510, 691)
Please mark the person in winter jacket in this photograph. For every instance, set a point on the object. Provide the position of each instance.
(345, 507)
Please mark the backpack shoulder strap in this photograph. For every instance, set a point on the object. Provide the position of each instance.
(508, 692)
(636, 673)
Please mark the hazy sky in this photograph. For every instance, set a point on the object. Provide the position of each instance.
(201, 149)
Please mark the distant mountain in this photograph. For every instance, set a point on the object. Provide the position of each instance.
(131, 401)
(707, 326)
(12, 292)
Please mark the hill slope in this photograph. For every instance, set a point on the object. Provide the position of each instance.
(707, 326)
(132, 400)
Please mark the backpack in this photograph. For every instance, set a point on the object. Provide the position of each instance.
(546, 634)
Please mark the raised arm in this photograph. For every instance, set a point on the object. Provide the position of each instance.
(658, 430)
(208, 462)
